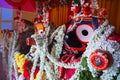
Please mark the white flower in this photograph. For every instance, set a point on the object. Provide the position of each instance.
(21, 77)
(99, 41)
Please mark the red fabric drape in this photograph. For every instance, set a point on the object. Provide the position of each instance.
(16, 3)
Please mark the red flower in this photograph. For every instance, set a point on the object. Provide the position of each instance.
(75, 9)
(114, 37)
(87, 10)
(30, 41)
(44, 3)
(9, 35)
(27, 69)
(103, 12)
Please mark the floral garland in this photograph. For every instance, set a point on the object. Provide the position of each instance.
(34, 67)
(12, 49)
(27, 69)
(99, 41)
(16, 74)
(41, 52)
(59, 44)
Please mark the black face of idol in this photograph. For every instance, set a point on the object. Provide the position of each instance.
(77, 39)
(72, 40)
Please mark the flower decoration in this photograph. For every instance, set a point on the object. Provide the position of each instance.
(75, 9)
(39, 18)
(9, 35)
(21, 77)
(87, 10)
(45, 3)
(103, 12)
(19, 59)
(110, 61)
(43, 76)
(94, 59)
(27, 69)
(114, 37)
(30, 41)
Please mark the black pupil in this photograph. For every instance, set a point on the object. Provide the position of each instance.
(85, 32)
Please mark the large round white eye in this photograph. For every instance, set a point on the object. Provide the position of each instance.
(40, 31)
(84, 32)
